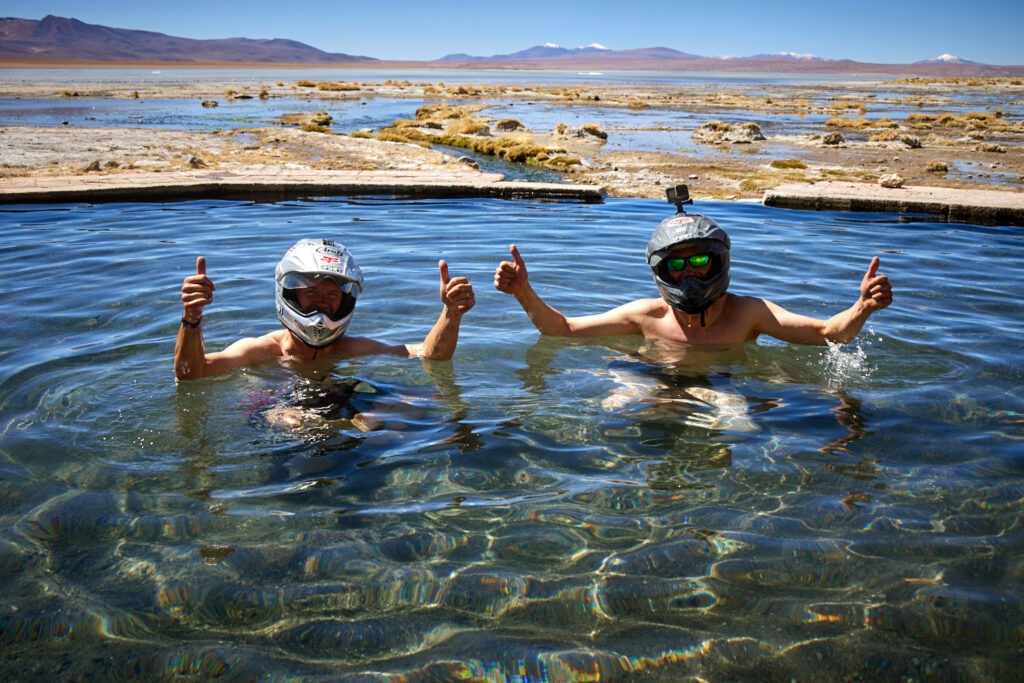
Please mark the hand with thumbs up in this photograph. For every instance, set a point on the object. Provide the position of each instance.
(511, 276)
(196, 293)
(456, 293)
(875, 290)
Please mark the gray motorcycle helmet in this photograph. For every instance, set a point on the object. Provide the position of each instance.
(691, 294)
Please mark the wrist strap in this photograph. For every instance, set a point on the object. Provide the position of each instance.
(189, 325)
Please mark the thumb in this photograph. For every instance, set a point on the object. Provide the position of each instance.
(200, 265)
(515, 256)
(873, 268)
(442, 266)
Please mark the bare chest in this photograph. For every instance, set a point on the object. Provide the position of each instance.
(720, 327)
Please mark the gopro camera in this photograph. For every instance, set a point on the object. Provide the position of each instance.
(679, 195)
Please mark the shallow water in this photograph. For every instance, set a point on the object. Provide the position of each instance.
(189, 114)
(537, 509)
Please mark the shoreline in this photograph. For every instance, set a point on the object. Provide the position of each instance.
(990, 146)
(767, 67)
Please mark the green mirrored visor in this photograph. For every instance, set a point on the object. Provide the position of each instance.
(695, 261)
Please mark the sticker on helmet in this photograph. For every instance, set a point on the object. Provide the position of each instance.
(680, 220)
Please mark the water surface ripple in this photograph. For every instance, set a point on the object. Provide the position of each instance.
(537, 509)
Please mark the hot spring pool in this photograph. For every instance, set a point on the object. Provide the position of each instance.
(537, 509)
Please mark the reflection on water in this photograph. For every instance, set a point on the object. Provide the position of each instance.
(538, 509)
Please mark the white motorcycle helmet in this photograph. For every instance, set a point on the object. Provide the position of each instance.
(308, 262)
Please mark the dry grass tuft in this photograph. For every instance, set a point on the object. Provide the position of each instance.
(340, 86)
(788, 163)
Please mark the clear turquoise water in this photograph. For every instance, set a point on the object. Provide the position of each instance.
(537, 509)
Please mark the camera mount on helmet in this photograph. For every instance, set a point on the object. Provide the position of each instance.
(678, 195)
(692, 294)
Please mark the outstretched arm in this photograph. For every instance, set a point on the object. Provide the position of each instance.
(512, 278)
(875, 294)
(457, 297)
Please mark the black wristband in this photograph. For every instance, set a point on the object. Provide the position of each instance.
(191, 325)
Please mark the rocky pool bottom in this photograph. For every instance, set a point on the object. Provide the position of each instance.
(536, 509)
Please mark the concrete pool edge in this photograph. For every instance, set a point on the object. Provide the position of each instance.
(979, 207)
(268, 185)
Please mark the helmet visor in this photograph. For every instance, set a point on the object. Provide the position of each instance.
(333, 296)
(304, 280)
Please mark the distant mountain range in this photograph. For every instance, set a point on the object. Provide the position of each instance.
(56, 39)
(60, 40)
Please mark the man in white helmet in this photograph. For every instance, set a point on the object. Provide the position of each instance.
(317, 284)
(689, 257)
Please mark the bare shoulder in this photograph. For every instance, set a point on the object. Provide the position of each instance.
(746, 305)
(262, 347)
(647, 308)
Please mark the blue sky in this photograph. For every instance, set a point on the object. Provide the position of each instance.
(889, 31)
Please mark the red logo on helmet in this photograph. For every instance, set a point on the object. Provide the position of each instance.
(330, 259)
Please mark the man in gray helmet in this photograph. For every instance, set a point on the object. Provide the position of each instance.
(689, 256)
(317, 284)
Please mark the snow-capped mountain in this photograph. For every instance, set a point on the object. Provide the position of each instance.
(946, 59)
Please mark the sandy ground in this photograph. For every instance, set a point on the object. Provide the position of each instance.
(980, 147)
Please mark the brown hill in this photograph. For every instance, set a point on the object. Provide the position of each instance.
(55, 39)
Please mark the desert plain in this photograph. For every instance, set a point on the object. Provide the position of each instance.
(739, 139)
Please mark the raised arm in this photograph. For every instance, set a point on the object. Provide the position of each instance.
(190, 358)
(190, 351)
(511, 277)
(843, 327)
(457, 297)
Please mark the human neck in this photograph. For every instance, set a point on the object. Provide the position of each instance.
(296, 348)
(705, 319)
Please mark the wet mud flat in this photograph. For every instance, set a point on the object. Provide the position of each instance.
(726, 140)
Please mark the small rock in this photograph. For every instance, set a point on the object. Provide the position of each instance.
(834, 138)
(508, 125)
(94, 166)
(892, 180)
(209, 104)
